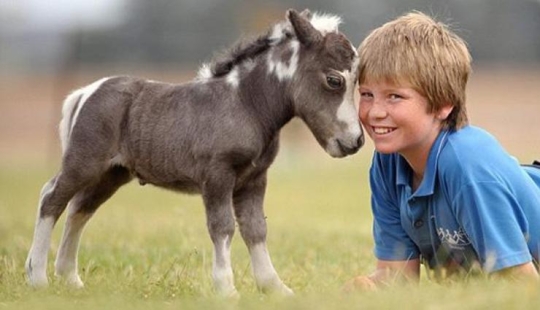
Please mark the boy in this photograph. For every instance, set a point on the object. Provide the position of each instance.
(444, 193)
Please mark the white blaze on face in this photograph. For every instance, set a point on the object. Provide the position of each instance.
(346, 114)
(347, 111)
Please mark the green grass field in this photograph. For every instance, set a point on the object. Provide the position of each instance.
(148, 248)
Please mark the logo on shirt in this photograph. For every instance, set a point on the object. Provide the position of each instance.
(456, 239)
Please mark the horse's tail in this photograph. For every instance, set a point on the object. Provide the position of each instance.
(72, 107)
(69, 109)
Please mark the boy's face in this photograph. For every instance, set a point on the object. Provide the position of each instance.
(396, 119)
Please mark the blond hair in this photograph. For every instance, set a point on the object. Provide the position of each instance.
(418, 51)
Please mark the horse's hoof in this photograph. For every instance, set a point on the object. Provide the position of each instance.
(278, 289)
(286, 291)
(229, 294)
(73, 280)
(38, 282)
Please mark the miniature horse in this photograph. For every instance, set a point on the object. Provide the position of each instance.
(216, 135)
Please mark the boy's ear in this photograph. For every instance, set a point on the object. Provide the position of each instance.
(305, 32)
(444, 112)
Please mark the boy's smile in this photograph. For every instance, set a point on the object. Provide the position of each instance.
(382, 130)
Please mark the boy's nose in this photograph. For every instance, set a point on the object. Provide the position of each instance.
(377, 111)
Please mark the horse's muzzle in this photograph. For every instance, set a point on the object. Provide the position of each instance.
(349, 149)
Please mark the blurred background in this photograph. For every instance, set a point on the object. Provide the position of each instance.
(48, 48)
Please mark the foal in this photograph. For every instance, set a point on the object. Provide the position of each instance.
(216, 135)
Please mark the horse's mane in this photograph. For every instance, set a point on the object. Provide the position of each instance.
(251, 47)
(239, 52)
(244, 49)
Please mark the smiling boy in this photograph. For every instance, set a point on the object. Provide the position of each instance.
(444, 193)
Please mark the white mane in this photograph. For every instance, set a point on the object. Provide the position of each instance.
(204, 73)
(326, 23)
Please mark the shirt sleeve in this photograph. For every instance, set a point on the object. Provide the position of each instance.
(494, 223)
(391, 241)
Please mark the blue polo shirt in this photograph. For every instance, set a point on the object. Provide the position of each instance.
(475, 204)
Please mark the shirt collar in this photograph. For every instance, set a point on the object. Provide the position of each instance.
(427, 186)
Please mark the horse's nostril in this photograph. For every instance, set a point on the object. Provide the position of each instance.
(346, 150)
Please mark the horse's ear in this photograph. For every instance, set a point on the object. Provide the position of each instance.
(306, 14)
(305, 32)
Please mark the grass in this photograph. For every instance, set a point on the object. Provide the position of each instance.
(149, 249)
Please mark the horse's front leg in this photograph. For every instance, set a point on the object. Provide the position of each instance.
(217, 196)
(248, 207)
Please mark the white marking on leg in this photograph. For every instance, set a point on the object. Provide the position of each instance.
(265, 274)
(221, 268)
(36, 263)
(66, 259)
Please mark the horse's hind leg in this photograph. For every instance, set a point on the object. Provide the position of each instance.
(248, 207)
(36, 263)
(53, 200)
(80, 210)
(55, 196)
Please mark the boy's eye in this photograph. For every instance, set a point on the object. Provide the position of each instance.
(366, 94)
(395, 96)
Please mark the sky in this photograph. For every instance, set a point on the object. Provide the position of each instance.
(43, 31)
(50, 15)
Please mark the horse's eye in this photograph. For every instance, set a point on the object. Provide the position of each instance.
(334, 81)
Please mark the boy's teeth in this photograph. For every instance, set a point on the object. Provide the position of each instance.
(381, 130)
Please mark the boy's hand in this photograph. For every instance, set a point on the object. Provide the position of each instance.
(360, 283)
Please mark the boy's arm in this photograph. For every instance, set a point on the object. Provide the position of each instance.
(386, 273)
(491, 217)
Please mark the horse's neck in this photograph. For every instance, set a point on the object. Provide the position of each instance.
(267, 98)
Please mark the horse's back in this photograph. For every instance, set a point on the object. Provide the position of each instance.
(166, 134)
